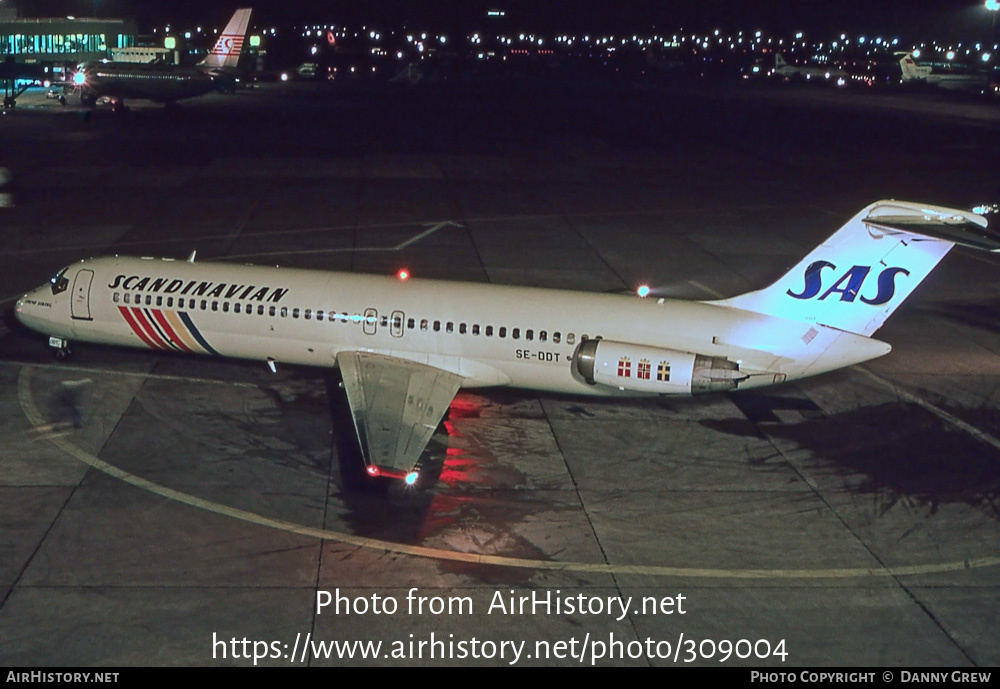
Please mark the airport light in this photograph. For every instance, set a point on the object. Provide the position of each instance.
(993, 6)
(643, 291)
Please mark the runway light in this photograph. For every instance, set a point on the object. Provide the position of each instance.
(403, 274)
(643, 291)
(79, 78)
(411, 478)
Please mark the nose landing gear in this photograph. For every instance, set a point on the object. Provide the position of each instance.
(60, 346)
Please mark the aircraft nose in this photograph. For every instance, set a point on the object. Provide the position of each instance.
(26, 312)
(21, 311)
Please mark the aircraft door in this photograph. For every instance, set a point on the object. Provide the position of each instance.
(80, 303)
(370, 321)
(396, 324)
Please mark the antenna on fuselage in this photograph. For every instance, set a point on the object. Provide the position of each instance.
(191, 257)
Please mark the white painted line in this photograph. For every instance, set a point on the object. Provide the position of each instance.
(35, 417)
(950, 419)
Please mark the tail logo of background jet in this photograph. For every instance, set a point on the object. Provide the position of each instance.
(849, 284)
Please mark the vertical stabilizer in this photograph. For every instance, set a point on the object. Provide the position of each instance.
(856, 279)
(227, 50)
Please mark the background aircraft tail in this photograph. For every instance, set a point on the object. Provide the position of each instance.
(855, 279)
(779, 60)
(227, 50)
(910, 69)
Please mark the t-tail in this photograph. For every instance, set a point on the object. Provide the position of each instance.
(856, 279)
(226, 53)
(910, 69)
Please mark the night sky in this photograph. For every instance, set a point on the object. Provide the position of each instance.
(935, 19)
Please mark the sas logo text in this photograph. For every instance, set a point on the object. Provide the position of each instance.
(848, 286)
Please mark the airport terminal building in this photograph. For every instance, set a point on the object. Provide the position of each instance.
(60, 41)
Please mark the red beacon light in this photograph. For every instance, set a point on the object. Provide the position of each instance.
(403, 274)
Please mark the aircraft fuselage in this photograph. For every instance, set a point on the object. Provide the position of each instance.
(487, 334)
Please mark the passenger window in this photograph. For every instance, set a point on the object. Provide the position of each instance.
(215, 306)
(159, 301)
(307, 315)
(423, 324)
(461, 328)
(437, 326)
(149, 300)
(170, 302)
(225, 307)
(411, 324)
(236, 308)
(475, 329)
(450, 327)
(204, 305)
(556, 337)
(542, 336)
(295, 312)
(272, 311)
(503, 331)
(284, 312)
(320, 315)
(489, 331)
(529, 334)
(260, 310)
(570, 338)
(516, 333)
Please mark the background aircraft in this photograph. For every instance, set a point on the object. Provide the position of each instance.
(808, 72)
(162, 82)
(952, 78)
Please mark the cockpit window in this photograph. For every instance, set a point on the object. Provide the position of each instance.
(59, 281)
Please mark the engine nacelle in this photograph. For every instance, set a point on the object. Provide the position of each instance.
(651, 369)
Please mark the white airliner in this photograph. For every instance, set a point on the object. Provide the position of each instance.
(404, 347)
(784, 69)
(955, 78)
(162, 82)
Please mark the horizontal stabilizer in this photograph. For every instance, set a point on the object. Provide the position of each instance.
(964, 229)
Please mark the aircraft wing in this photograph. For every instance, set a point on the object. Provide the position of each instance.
(396, 406)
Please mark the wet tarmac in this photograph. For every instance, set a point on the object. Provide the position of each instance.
(161, 510)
